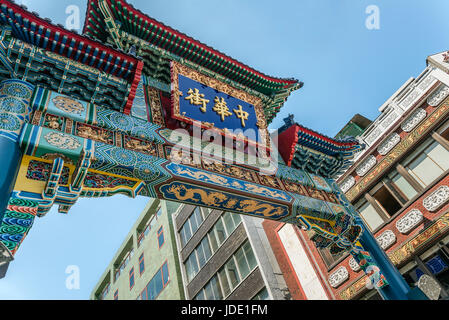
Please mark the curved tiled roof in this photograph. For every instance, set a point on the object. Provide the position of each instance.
(42, 32)
(141, 25)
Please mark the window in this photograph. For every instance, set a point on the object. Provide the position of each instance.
(149, 225)
(231, 271)
(203, 251)
(131, 278)
(224, 282)
(220, 232)
(116, 295)
(224, 226)
(386, 199)
(123, 265)
(141, 264)
(402, 184)
(427, 162)
(262, 295)
(212, 290)
(191, 266)
(191, 226)
(165, 274)
(236, 269)
(436, 261)
(369, 214)
(160, 237)
(200, 296)
(328, 257)
(156, 284)
(105, 291)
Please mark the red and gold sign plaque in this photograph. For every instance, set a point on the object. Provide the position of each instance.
(198, 98)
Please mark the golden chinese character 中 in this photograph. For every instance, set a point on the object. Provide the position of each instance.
(221, 108)
(197, 98)
(241, 114)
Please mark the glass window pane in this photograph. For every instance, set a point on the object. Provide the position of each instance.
(193, 222)
(144, 294)
(371, 217)
(229, 223)
(231, 269)
(198, 215)
(147, 230)
(252, 262)
(183, 236)
(206, 212)
(191, 266)
(424, 170)
(403, 185)
(206, 248)
(213, 241)
(188, 233)
(242, 263)
(158, 284)
(153, 222)
(200, 296)
(237, 218)
(220, 231)
(439, 154)
(165, 274)
(154, 287)
(224, 282)
(216, 289)
(200, 252)
(160, 237)
(262, 295)
(208, 292)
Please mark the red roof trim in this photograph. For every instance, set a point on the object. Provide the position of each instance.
(327, 139)
(64, 32)
(133, 90)
(192, 41)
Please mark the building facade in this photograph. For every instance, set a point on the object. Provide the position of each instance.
(178, 252)
(226, 256)
(400, 185)
(145, 266)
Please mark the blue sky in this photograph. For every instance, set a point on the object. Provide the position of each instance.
(345, 67)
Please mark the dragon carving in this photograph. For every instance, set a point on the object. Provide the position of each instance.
(182, 193)
(255, 207)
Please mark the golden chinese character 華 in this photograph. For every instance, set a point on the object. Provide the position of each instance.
(197, 98)
(241, 114)
(221, 108)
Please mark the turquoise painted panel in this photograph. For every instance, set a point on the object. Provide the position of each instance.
(227, 182)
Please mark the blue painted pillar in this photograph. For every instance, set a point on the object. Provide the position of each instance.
(15, 110)
(398, 288)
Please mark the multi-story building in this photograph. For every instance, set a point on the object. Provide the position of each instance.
(146, 264)
(400, 185)
(185, 252)
(226, 256)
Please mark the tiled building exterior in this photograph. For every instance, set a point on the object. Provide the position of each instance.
(226, 256)
(146, 264)
(400, 186)
(185, 252)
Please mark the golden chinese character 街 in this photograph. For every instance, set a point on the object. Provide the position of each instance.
(241, 114)
(197, 98)
(221, 108)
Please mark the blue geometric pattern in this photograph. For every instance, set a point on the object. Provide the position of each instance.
(128, 163)
(139, 107)
(130, 125)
